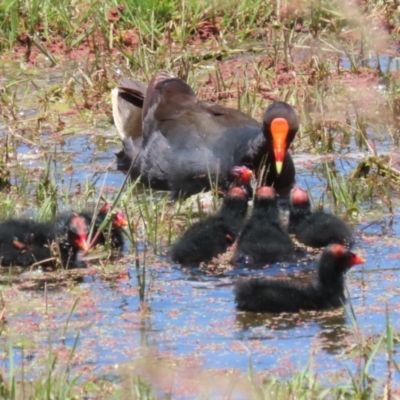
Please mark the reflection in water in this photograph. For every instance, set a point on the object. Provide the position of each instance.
(331, 326)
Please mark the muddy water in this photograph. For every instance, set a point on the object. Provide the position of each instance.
(192, 324)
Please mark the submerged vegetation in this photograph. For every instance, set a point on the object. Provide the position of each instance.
(336, 62)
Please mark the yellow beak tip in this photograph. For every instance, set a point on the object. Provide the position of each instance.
(279, 165)
(82, 244)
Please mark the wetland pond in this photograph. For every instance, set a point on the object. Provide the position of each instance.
(191, 335)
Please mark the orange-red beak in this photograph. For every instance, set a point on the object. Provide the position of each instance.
(81, 241)
(355, 259)
(119, 220)
(242, 174)
(279, 132)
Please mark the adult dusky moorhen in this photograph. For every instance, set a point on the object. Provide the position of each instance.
(187, 143)
(281, 295)
(127, 103)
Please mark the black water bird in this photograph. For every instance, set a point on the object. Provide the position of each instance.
(263, 239)
(185, 145)
(212, 236)
(315, 228)
(25, 242)
(117, 223)
(281, 295)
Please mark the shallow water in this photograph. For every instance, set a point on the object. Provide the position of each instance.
(192, 321)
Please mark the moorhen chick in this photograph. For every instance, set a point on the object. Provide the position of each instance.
(24, 242)
(118, 222)
(263, 239)
(210, 237)
(188, 143)
(315, 229)
(244, 178)
(280, 295)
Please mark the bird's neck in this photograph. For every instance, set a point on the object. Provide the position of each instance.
(330, 280)
(267, 210)
(259, 152)
(297, 216)
(233, 208)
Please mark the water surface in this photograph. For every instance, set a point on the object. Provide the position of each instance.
(192, 322)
